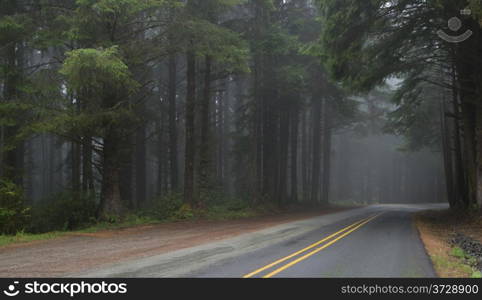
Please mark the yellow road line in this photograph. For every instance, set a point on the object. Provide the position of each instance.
(303, 250)
(294, 262)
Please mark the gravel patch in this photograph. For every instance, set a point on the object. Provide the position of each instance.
(470, 246)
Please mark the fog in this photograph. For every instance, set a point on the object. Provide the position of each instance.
(366, 166)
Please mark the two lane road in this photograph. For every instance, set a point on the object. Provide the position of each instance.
(374, 241)
(383, 242)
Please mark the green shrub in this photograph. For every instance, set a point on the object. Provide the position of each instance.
(167, 207)
(217, 197)
(14, 215)
(63, 212)
(458, 252)
(185, 212)
(226, 207)
(217, 206)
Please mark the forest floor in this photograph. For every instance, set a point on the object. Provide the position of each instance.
(78, 251)
(453, 242)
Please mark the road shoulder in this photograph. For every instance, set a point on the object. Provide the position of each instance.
(438, 231)
(74, 254)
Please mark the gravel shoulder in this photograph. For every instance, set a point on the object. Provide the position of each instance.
(81, 252)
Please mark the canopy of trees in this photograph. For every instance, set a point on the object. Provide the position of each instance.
(125, 101)
(373, 40)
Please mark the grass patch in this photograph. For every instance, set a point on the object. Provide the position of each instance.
(128, 222)
(219, 213)
(435, 230)
(454, 267)
(21, 237)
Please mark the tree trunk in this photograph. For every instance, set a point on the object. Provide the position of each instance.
(88, 176)
(173, 149)
(205, 157)
(304, 156)
(75, 153)
(316, 166)
(458, 175)
(219, 122)
(226, 141)
(270, 131)
(127, 171)
(190, 137)
(469, 121)
(140, 159)
(111, 205)
(76, 162)
(163, 170)
(447, 156)
(294, 153)
(479, 156)
(284, 142)
(327, 135)
(469, 92)
(13, 151)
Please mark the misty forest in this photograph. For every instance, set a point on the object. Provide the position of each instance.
(175, 109)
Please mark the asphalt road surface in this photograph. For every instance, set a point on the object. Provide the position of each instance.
(375, 241)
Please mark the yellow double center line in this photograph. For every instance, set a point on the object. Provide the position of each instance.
(342, 233)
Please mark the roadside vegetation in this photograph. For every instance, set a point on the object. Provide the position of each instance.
(453, 241)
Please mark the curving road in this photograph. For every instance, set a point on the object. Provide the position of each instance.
(374, 241)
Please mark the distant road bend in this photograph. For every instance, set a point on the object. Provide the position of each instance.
(374, 241)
